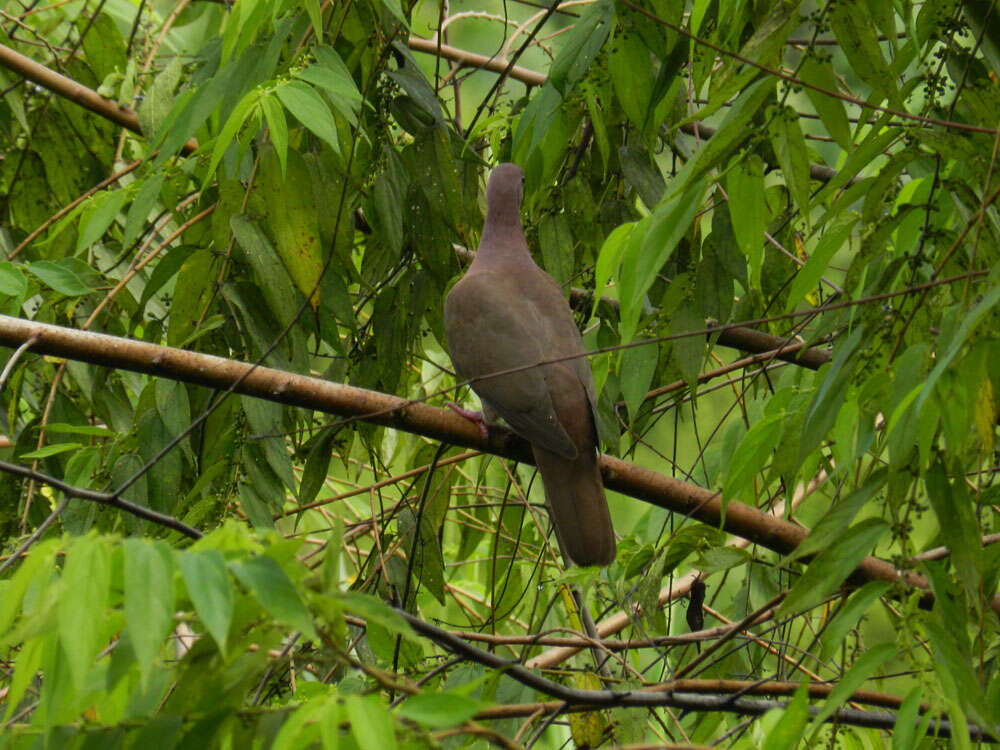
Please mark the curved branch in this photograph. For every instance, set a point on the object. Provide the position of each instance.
(104, 498)
(75, 92)
(413, 416)
(533, 78)
(682, 694)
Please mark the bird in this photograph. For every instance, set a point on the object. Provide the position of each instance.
(507, 313)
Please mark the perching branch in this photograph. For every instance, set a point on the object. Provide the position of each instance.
(415, 417)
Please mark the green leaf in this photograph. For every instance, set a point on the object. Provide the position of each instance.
(787, 732)
(733, 131)
(956, 517)
(310, 109)
(173, 406)
(98, 217)
(643, 174)
(688, 351)
(832, 525)
(192, 108)
(631, 70)
(830, 568)
(264, 418)
(876, 142)
(69, 276)
(718, 559)
(830, 242)
(292, 217)
(84, 596)
(636, 370)
(904, 734)
(600, 130)
(12, 281)
(270, 274)
(535, 123)
(954, 666)
(52, 450)
(26, 666)
(750, 455)
(826, 402)
(428, 560)
(396, 10)
(860, 671)
(579, 50)
(301, 727)
(641, 262)
(331, 75)
(770, 33)
(81, 468)
(609, 257)
(747, 211)
(142, 206)
(149, 596)
(315, 17)
(192, 291)
(278, 129)
(237, 119)
(36, 569)
(371, 724)
(968, 324)
(857, 34)
(269, 583)
(439, 710)
(210, 590)
(830, 109)
(790, 147)
(157, 103)
(168, 267)
(317, 466)
(556, 242)
(374, 610)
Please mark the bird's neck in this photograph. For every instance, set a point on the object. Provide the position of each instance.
(503, 238)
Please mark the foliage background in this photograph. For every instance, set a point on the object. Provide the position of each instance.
(822, 172)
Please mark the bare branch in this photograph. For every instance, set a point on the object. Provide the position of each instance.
(104, 498)
(677, 695)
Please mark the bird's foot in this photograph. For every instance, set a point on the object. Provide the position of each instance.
(472, 416)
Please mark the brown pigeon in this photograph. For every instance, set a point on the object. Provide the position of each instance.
(506, 313)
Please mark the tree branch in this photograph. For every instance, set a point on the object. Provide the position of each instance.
(75, 92)
(104, 498)
(532, 78)
(415, 417)
(676, 695)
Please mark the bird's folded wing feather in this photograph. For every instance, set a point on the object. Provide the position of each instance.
(492, 327)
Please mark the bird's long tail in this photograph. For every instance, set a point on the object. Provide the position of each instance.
(579, 510)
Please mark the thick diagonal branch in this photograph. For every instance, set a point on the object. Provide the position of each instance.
(420, 419)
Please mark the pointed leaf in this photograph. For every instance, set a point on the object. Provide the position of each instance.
(310, 109)
(371, 724)
(86, 581)
(210, 590)
(149, 596)
(269, 583)
(831, 567)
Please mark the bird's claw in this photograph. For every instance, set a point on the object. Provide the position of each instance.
(473, 416)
